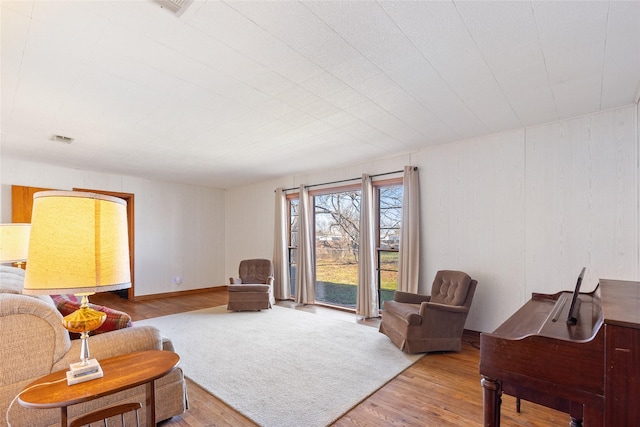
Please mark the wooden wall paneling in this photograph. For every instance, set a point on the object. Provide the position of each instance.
(581, 201)
(472, 201)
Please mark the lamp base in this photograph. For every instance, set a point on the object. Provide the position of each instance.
(81, 372)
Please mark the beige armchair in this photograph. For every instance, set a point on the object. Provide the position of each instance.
(422, 323)
(253, 290)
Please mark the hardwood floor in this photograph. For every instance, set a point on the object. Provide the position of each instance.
(438, 390)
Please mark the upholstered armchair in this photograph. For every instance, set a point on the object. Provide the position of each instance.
(253, 290)
(425, 323)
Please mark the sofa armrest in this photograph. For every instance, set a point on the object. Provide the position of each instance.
(410, 298)
(249, 288)
(235, 281)
(114, 343)
(425, 306)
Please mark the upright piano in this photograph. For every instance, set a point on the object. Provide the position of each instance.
(590, 369)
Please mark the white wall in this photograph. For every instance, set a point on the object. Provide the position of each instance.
(520, 211)
(179, 229)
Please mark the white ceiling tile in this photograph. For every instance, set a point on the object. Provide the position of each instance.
(223, 23)
(66, 19)
(321, 109)
(345, 98)
(617, 80)
(273, 108)
(578, 96)
(367, 28)
(622, 55)
(21, 7)
(562, 17)
(529, 93)
(297, 97)
(564, 65)
(513, 18)
(323, 84)
(425, 85)
(462, 121)
(364, 109)
(355, 70)
(398, 130)
(285, 20)
(339, 119)
(492, 109)
(14, 29)
(376, 86)
(298, 118)
(297, 86)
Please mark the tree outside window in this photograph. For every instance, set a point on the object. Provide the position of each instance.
(336, 236)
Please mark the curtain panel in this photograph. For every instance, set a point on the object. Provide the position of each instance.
(367, 292)
(305, 280)
(281, 288)
(409, 250)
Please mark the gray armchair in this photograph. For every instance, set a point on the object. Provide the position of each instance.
(422, 323)
(253, 290)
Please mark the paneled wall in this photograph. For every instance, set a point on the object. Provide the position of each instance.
(472, 195)
(179, 229)
(520, 211)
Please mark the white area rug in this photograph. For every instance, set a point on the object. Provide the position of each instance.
(283, 367)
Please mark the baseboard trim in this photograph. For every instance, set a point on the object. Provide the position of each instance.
(472, 334)
(180, 293)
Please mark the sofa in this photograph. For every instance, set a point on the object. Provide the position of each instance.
(34, 343)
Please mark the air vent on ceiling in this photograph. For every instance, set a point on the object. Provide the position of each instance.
(176, 6)
(61, 138)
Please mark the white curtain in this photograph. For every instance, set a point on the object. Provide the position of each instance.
(367, 302)
(305, 280)
(409, 252)
(281, 289)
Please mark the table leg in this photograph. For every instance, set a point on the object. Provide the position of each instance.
(151, 403)
(64, 420)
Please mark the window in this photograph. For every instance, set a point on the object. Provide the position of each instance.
(336, 233)
(389, 212)
(293, 242)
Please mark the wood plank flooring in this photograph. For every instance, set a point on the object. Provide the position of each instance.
(438, 390)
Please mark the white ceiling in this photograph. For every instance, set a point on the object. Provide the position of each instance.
(234, 92)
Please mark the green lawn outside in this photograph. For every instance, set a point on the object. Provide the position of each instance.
(336, 282)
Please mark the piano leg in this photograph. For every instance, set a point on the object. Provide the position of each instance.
(575, 422)
(576, 413)
(492, 400)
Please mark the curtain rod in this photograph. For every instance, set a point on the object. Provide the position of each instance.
(346, 180)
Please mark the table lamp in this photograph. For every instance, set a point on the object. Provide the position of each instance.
(14, 243)
(79, 245)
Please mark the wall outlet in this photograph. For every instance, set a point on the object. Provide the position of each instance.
(177, 280)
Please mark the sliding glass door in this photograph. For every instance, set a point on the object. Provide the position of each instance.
(337, 231)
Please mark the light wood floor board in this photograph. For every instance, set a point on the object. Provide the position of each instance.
(438, 390)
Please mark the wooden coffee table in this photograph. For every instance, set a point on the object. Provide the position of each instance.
(120, 373)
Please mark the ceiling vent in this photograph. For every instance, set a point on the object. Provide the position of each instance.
(175, 6)
(61, 138)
